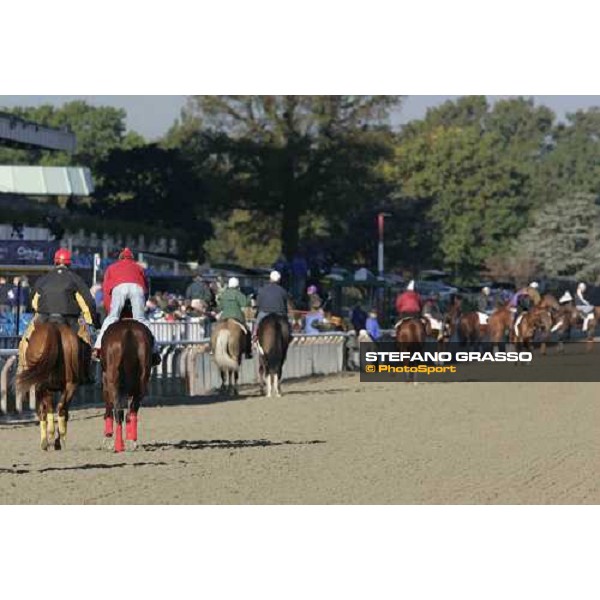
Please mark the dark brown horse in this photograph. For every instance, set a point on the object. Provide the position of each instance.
(466, 325)
(227, 342)
(273, 342)
(53, 363)
(410, 337)
(126, 358)
(470, 330)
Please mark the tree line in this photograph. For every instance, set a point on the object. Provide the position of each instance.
(505, 189)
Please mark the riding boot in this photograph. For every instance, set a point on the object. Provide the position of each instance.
(156, 357)
(248, 346)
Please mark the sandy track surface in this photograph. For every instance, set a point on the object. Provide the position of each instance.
(329, 441)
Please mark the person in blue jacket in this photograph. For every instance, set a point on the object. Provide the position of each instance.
(372, 325)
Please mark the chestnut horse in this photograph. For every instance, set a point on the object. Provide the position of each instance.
(126, 358)
(500, 326)
(537, 319)
(53, 363)
(410, 337)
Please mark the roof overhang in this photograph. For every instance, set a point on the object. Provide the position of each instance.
(20, 132)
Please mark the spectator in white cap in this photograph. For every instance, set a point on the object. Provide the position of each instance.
(272, 298)
(232, 304)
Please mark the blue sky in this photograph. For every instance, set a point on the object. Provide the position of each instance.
(153, 115)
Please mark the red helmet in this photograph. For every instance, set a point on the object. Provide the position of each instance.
(62, 257)
(126, 253)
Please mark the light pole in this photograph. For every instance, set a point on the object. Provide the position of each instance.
(380, 226)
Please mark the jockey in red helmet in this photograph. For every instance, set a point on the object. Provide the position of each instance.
(62, 257)
(124, 280)
(409, 303)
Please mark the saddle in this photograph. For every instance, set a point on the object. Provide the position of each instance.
(404, 319)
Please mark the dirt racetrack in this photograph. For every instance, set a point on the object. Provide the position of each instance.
(329, 441)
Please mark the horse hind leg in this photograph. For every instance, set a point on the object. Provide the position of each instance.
(119, 418)
(131, 424)
(42, 401)
(60, 443)
(269, 386)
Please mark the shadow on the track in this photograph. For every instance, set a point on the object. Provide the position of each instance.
(221, 444)
(21, 471)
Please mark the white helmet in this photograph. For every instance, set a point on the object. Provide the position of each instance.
(486, 290)
(534, 284)
(234, 282)
(581, 287)
(275, 276)
(411, 286)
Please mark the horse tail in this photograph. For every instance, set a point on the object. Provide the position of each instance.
(274, 355)
(130, 367)
(222, 358)
(42, 368)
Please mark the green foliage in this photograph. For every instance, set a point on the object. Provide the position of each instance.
(476, 192)
(154, 186)
(244, 238)
(99, 129)
(287, 155)
(564, 237)
(474, 173)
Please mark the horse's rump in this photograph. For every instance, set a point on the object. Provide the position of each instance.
(127, 356)
(273, 339)
(227, 342)
(411, 334)
(52, 357)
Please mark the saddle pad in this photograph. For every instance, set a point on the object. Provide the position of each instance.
(517, 323)
(483, 318)
(436, 324)
(402, 321)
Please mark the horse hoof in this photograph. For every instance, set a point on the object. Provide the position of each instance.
(57, 445)
(131, 445)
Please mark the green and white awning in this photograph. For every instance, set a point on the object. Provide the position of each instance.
(46, 181)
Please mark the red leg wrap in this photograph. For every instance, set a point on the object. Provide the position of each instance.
(132, 426)
(108, 427)
(119, 444)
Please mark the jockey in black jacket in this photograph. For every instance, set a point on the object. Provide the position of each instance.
(60, 294)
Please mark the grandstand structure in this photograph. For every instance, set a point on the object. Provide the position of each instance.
(30, 249)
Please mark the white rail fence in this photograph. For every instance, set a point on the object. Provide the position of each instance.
(188, 369)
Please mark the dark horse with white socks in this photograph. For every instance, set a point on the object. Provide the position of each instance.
(273, 340)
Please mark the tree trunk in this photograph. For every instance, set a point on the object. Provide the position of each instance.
(290, 227)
